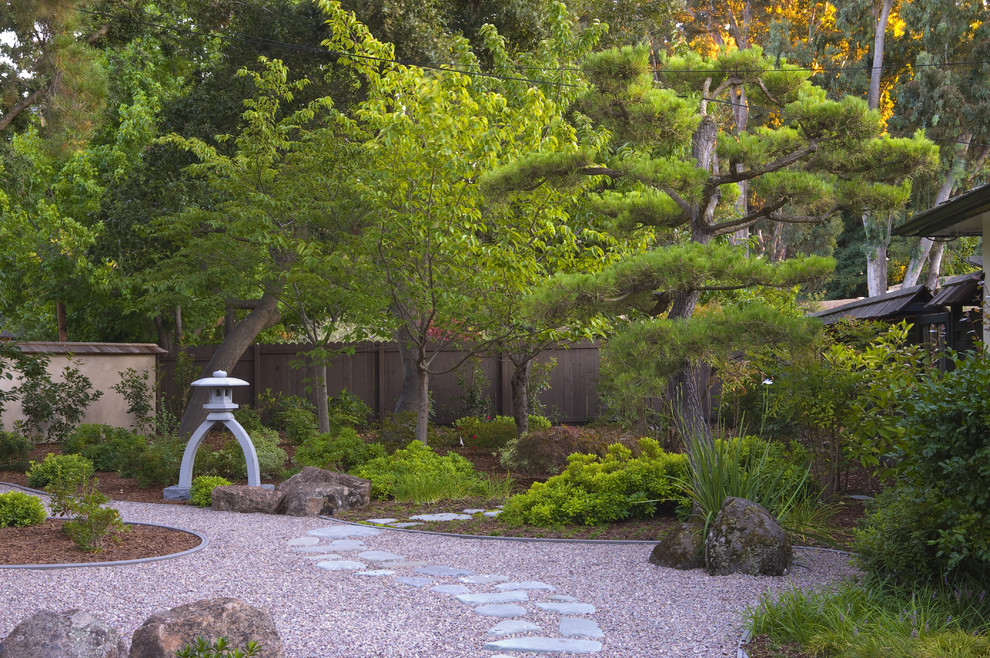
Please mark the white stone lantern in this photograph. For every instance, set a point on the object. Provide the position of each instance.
(221, 406)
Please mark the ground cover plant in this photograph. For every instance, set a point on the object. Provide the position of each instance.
(21, 509)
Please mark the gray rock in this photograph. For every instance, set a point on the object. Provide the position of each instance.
(245, 499)
(483, 580)
(578, 627)
(450, 589)
(345, 531)
(745, 538)
(450, 572)
(506, 610)
(527, 584)
(313, 492)
(161, 635)
(513, 626)
(442, 516)
(304, 541)
(414, 581)
(544, 645)
(375, 572)
(380, 556)
(681, 548)
(493, 597)
(568, 608)
(70, 634)
(341, 565)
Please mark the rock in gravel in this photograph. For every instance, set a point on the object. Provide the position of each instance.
(242, 498)
(681, 548)
(70, 634)
(313, 491)
(162, 634)
(745, 538)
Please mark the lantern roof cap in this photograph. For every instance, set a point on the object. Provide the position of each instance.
(220, 378)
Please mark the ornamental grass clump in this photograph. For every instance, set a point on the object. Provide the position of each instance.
(595, 489)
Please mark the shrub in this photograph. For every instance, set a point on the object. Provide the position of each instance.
(399, 429)
(350, 406)
(139, 395)
(596, 489)
(487, 433)
(14, 449)
(299, 424)
(59, 470)
(20, 510)
(415, 458)
(201, 494)
(546, 451)
(249, 419)
(219, 649)
(539, 424)
(229, 461)
(158, 463)
(59, 406)
(93, 523)
(270, 405)
(341, 452)
(107, 447)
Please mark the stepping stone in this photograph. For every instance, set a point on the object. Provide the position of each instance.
(346, 545)
(380, 556)
(312, 549)
(496, 597)
(472, 511)
(375, 572)
(568, 608)
(563, 598)
(578, 627)
(442, 516)
(407, 524)
(513, 626)
(381, 521)
(502, 610)
(526, 584)
(304, 541)
(450, 589)
(344, 531)
(483, 580)
(444, 571)
(544, 645)
(415, 582)
(324, 556)
(409, 564)
(493, 513)
(341, 565)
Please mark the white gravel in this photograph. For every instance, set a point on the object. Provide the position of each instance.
(643, 610)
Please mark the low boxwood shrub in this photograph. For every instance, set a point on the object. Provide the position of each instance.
(416, 458)
(106, 446)
(14, 449)
(20, 510)
(337, 452)
(486, 433)
(229, 461)
(201, 493)
(59, 470)
(299, 424)
(595, 489)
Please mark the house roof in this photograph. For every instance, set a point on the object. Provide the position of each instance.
(895, 303)
(46, 347)
(959, 216)
(962, 289)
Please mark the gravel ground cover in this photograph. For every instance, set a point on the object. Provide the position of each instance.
(642, 609)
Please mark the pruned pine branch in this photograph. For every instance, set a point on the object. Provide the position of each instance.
(776, 165)
(804, 219)
(734, 225)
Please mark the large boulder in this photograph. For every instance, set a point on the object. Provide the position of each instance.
(681, 548)
(313, 491)
(745, 538)
(70, 634)
(161, 635)
(242, 498)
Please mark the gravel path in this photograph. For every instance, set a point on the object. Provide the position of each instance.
(643, 610)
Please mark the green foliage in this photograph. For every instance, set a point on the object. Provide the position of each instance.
(539, 423)
(487, 433)
(596, 489)
(415, 459)
(14, 449)
(139, 395)
(56, 407)
(229, 460)
(861, 620)
(109, 448)
(300, 424)
(93, 523)
(201, 492)
(271, 406)
(249, 418)
(13, 360)
(475, 400)
(342, 452)
(219, 649)
(399, 429)
(19, 509)
(432, 487)
(546, 450)
(59, 470)
(353, 409)
(159, 463)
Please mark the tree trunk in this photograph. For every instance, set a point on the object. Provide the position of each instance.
(265, 314)
(917, 262)
(935, 267)
(520, 396)
(322, 401)
(687, 409)
(61, 323)
(876, 267)
(879, 37)
(415, 394)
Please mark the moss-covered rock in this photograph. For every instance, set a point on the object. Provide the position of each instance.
(681, 548)
(745, 538)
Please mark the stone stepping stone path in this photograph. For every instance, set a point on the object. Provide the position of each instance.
(419, 519)
(488, 595)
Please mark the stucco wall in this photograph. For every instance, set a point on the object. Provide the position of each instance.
(103, 370)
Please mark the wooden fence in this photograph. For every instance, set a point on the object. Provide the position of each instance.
(373, 372)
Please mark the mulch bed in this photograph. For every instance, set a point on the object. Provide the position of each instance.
(47, 544)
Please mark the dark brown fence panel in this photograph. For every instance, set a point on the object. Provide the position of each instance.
(373, 372)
